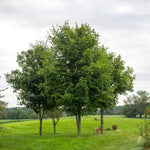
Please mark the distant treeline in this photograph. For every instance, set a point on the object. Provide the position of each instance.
(24, 113)
(18, 113)
(118, 110)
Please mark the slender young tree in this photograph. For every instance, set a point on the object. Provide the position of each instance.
(53, 87)
(55, 114)
(100, 81)
(27, 81)
(110, 79)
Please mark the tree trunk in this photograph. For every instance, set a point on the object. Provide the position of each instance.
(41, 118)
(78, 121)
(140, 115)
(102, 112)
(54, 125)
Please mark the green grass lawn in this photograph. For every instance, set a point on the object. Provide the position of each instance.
(25, 135)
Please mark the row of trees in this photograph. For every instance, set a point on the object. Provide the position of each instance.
(24, 113)
(70, 71)
(135, 104)
(18, 113)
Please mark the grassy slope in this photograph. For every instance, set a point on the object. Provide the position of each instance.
(24, 135)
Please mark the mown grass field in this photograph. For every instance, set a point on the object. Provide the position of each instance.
(25, 135)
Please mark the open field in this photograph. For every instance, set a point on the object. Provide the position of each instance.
(25, 135)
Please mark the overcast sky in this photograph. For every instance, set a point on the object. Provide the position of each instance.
(123, 25)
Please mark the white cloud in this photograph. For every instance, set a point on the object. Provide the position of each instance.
(123, 26)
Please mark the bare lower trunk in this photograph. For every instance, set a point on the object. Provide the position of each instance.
(102, 112)
(40, 117)
(54, 125)
(140, 115)
(78, 121)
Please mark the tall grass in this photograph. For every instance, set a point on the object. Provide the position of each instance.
(25, 135)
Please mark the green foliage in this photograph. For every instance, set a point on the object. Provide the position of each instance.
(118, 110)
(26, 81)
(91, 77)
(111, 79)
(145, 130)
(143, 101)
(129, 108)
(52, 84)
(73, 49)
(20, 113)
(136, 104)
(100, 80)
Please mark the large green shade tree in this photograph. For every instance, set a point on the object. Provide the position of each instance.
(91, 77)
(73, 49)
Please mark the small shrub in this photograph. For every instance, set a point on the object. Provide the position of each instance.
(114, 127)
(145, 130)
(95, 118)
(145, 134)
(108, 129)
